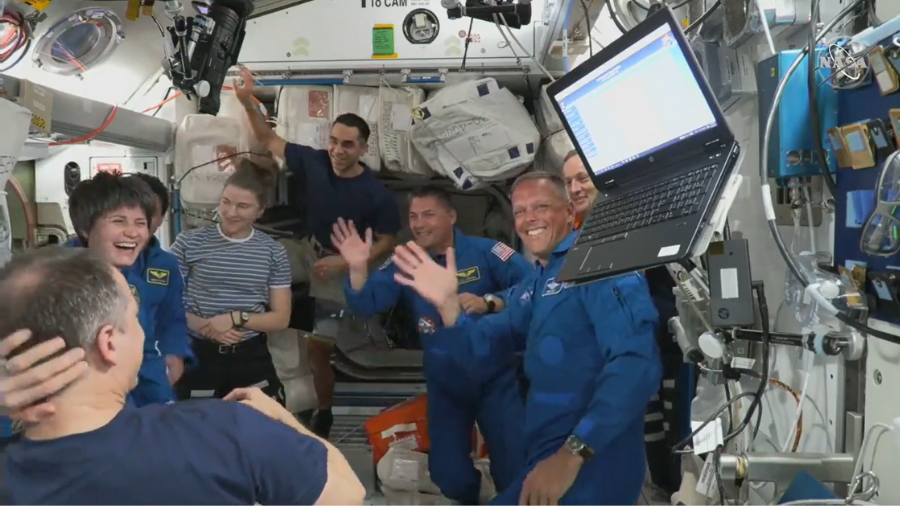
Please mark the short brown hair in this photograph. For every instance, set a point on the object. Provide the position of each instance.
(570, 155)
(255, 179)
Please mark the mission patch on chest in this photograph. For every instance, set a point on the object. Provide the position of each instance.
(468, 275)
(158, 277)
(134, 293)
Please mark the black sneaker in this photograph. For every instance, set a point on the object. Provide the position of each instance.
(322, 422)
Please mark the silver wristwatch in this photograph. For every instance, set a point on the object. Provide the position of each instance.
(491, 301)
(579, 447)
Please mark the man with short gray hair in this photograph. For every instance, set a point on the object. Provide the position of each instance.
(590, 355)
(94, 449)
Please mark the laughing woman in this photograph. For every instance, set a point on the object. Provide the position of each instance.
(237, 290)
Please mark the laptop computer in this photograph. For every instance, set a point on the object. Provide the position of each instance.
(655, 143)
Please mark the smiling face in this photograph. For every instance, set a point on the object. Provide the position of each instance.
(431, 222)
(345, 147)
(543, 216)
(582, 191)
(119, 235)
(238, 210)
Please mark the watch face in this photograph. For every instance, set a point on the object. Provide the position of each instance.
(245, 316)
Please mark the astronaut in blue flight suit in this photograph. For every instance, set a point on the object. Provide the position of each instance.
(590, 356)
(485, 268)
(114, 215)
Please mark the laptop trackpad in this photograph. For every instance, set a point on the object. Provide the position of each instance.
(594, 262)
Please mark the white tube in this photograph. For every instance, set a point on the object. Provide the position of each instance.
(813, 247)
(806, 372)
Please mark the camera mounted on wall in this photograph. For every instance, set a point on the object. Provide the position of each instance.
(516, 13)
(204, 46)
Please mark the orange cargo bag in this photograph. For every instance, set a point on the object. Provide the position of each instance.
(404, 425)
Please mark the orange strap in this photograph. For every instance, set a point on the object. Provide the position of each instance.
(577, 223)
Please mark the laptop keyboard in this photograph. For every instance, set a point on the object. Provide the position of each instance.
(671, 199)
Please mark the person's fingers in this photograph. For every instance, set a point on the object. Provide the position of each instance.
(451, 259)
(238, 394)
(34, 414)
(418, 251)
(13, 341)
(404, 280)
(405, 260)
(41, 352)
(33, 375)
(47, 379)
(337, 242)
(351, 228)
(369, 236)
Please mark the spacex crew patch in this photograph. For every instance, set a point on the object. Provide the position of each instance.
(502, 251)
(158, 277)
(426, 326)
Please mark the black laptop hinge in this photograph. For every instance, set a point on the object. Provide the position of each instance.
(713, 145)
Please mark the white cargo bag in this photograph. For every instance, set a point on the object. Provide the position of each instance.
(397, 151)
(305, 114)
(475, 132)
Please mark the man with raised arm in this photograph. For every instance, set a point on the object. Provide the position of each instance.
(590, 356)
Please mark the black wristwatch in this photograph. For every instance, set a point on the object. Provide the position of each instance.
(491, 302)
(579, 447)
(243, 318)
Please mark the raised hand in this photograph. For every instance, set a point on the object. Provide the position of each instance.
(354, 249)
(244, 90)
(434, 283)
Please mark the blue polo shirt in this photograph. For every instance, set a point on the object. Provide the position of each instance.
(193, 452)
(363, 199)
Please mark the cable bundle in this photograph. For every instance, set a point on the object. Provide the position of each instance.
(16, 38)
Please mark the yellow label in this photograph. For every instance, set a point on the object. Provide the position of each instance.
(37, 4)
(468, 275)
(685, 22)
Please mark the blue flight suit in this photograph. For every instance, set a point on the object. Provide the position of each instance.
(593, 365)
(454, 402)
(158, 287)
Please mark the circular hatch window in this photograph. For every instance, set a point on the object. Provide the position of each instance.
(421, 26)
(79, 42)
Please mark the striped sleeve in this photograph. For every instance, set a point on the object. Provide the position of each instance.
(280, 275)
(178, 249)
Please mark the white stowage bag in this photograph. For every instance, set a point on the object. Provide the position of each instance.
(397, 151)
(362, 101)
(199, 141)
(14, 123)
(475, 132)
(555, 143)
(305, 114)
(553, 152)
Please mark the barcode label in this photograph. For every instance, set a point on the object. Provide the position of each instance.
(706, 483)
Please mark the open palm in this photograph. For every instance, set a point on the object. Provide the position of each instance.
(434, 283)
(350, 245)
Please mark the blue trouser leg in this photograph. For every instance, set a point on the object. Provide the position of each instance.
(153, 383)
(500, 416)
(450, 420)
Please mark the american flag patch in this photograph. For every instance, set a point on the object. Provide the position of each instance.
(502, 251)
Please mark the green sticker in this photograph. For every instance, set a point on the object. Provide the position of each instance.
(383, 41)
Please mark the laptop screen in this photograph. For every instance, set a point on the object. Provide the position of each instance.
(640, 101)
